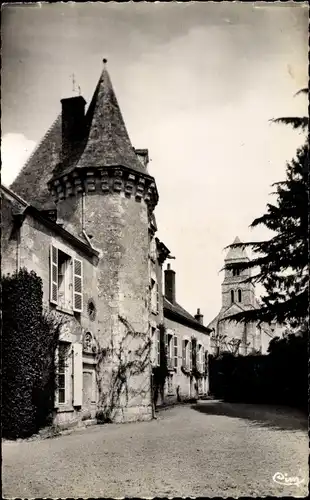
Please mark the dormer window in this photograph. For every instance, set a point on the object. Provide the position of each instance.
(232, 296)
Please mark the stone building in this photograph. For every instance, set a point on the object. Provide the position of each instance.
(187, 344)
(81, 215)
(238, 294)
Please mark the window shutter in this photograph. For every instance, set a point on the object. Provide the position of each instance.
(166, 344)
(77, 285)
(206, 361)
(157, 297)
(77, 374)
(56, 403)
(183, 353)
(53, 275)
(203, 365)
(190, 355)
(158, 347)
(175, 351)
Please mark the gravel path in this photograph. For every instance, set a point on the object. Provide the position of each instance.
(209, 449)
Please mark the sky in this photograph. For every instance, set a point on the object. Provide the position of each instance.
(197, 84)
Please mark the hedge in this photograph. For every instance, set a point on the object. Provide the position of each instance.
(29, 340)
(280, 377)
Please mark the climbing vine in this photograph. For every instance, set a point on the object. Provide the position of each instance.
(115, 365)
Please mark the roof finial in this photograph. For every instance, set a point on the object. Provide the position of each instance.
(73, 82)
(104, 60)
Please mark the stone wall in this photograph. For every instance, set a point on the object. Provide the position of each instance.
(118, 227)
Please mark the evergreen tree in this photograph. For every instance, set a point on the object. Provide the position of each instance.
(283, 259)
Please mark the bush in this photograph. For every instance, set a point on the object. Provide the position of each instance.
(28, 347)
(281, 377)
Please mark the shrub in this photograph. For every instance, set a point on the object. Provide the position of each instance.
(28, 347)
(279, 377)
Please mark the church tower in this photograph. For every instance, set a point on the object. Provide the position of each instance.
(235, 289)
(105, 196)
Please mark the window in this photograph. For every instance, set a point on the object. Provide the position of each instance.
(236, 272)
(61, 371)
(155, 347)
(153, 249)
(199, 358)
(154, 296)
(66, 280)
(239, 295)
(169, 346)
(232, 296)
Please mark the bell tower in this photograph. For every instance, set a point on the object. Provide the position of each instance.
(235, 287)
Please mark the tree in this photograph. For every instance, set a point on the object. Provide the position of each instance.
(297, 122)
(283, 259)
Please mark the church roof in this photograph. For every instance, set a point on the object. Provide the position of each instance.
(107, 142)
(237, 253)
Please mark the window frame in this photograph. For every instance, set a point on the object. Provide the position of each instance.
(70, 275)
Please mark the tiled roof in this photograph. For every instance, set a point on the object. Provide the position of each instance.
(31, 182)
(26, 208)
(181, 313)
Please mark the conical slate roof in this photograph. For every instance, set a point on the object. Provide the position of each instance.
(105, 143)
(108, 142)
(236, 253)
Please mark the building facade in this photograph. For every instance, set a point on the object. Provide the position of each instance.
(238, 294)
(81, 215)
(188, 346)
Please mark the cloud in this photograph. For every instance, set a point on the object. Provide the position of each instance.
(15, 150)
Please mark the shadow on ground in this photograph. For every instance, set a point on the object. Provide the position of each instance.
(277, 417)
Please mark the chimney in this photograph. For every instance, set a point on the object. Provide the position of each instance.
(73, 122)
(199, 317)
(170, 284)
(143, 156)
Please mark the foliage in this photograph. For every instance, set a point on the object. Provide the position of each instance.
(283, 259)
(297, 122)
(115, 365)
(28, 347)
(278, 378)
(45, 368)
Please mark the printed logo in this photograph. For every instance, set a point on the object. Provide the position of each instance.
(285, 479)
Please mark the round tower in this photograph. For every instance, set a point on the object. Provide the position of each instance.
(105, 196)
